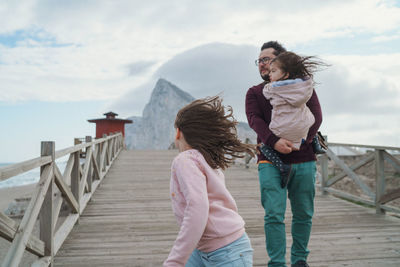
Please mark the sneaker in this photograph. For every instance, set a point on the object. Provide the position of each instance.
(300, 263)
(285, 174)
(318, 149)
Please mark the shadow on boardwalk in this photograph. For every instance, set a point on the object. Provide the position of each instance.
(129, 221)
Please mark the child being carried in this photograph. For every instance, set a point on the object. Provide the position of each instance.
(290, 89)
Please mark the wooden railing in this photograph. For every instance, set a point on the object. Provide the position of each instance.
(75, 186)
(378, 197)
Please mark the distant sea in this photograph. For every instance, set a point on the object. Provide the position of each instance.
(30, 177)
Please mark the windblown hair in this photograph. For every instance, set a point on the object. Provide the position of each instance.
(275, 45)
(297, 66)
(207, 128)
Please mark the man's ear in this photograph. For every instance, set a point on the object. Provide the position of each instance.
(178, 134)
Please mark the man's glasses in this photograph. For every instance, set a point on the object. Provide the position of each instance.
(263, 60)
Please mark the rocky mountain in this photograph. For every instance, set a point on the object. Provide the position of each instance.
(155, 129)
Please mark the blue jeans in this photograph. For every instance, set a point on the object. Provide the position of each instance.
(301, 192)
(239, 253)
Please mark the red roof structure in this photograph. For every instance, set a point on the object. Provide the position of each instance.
(109, 124)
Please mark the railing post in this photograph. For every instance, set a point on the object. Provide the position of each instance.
(75, 178)
(122, 140)
(324, 173)
(324, 170)
(88, 139)
(46, 212)
(98, 158)
(380, 179)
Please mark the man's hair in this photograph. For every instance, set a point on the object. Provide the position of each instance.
(207, 128)
(298, 66)
(275, 45)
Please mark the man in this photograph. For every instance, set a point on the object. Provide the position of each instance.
(301, 186)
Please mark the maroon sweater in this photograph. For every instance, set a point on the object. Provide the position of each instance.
(258, 111)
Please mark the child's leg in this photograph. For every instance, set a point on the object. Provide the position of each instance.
(238, 253)
(195, 259)
(283, 168)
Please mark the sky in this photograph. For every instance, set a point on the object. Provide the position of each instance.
(64, 62)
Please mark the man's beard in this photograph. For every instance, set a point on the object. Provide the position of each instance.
(265, 77)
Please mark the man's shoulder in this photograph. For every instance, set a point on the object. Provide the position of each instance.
(257, 89)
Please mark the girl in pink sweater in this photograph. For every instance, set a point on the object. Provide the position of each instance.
(211, 231)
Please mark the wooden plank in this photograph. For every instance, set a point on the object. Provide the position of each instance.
(75, 178)
(353, 167)
(42, 201)
(68, 169)
(69, 197)
(64, 230)
(18, 168)
(46, 222)
(76, 148)
(129, 221)
(380, 179)
(70, 150)
(349, 196)
(84, 200)
(85, 174)
(365, 146)
(8, 229)
(42, 262)
(98, 163)
(324, 172)
(85, 171)
(389, 196)
(103, 163)
(392, 160)
(25, 228)
(22, 167)
(96, 170)
(351, 174)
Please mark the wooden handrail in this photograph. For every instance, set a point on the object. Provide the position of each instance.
(25, 166)
(76, 186)
(365, 146)
(380, 197)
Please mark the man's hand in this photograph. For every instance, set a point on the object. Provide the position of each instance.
(284, 146)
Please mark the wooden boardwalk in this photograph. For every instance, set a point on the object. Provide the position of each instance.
(129, 221)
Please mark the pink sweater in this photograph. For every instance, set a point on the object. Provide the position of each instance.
(291, 118)
(203, 207)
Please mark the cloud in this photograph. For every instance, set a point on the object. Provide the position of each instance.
(176, 24)
(206, 71)
(356, 84)
(140, 67)
(359, 95)
(77, 50)
(360, 98)
(133, 102)
(342, 93)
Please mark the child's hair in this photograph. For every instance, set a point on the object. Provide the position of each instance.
(207, 128)
(297, 66)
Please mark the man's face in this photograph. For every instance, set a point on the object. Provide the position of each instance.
(264, 67)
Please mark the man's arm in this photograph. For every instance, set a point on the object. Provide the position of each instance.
(315, 107)
(256, 119)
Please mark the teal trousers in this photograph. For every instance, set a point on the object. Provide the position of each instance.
(301, 192)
